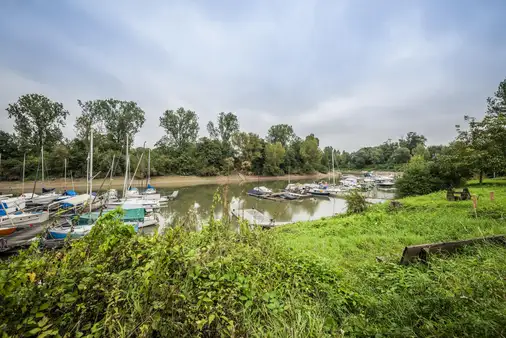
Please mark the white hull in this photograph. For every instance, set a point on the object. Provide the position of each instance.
(44, 199)
(24, 220)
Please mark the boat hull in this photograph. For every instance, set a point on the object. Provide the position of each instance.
(6, 231)
(24, 220)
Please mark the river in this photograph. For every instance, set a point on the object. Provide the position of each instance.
(199, 199)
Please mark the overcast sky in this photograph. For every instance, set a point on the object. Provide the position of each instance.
(354, 73)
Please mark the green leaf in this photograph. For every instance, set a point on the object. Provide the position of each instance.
(34, 331)
(211, 318)
(44, 306)
(43, 322)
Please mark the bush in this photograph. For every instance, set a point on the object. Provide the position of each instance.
(422, 177)
(115, 283)
(355, 202)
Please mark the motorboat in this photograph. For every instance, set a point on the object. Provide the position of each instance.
(259, 191)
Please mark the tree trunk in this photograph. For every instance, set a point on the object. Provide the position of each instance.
(481, 176)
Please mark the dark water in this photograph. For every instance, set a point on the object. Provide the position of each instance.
(200, 199)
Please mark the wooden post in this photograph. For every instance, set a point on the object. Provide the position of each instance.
(475, 205)
(492, 196)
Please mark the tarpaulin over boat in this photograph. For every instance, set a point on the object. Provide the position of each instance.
(130, 215)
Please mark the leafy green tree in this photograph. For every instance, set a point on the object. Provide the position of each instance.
(310, 153)
(282, 133)
(8, 145)
(228, 124)
(411, 140)
(420, 150)
(37, 121)
(250, 149)
(120, 118)
(400, 155)
(274, 156)
(209, 153)
(181, 127)
(91, 116)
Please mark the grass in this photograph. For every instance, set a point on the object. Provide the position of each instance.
(313, 279)
(461, 294)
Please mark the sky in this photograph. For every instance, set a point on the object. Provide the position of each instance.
(353, 72)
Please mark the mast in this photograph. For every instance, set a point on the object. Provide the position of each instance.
(91, 166)
(127, 163)
(333, 171)
(42, 164)
(23, 184)
(149, 166)
(112, 164)
(65, 166)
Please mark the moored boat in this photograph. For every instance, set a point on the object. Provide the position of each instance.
(6, 231)
(23, 220)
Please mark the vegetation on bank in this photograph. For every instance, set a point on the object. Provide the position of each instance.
(334, 277)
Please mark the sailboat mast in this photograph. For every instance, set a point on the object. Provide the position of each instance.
(24, 165)
(91, 165)
(126, 168)
(112, 165)
(42, 163)
(65, 165)
(333, 171)
(149, 166)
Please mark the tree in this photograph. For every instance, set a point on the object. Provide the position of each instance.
(37, 121)
(310, 153)
(91, 116)
(8, 145)
(400, 155)
(181, 128)
(228, 124)
(411, 140)
(120, 118)
(282, 133)
(209, 153)
(274, 155)
(249, 147)
(420, 150)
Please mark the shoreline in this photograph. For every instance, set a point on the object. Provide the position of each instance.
(7, 187)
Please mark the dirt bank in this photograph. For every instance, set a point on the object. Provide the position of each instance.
(162, 182)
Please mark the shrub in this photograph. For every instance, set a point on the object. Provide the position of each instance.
(355, 202)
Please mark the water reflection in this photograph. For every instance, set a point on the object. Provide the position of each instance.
(199, 199)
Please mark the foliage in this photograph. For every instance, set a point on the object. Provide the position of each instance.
(181, 127)
(282, 133)
(216, 282)
(37, 121)
(400, 155)
(274, 156)
(412, 140)
(355, 202)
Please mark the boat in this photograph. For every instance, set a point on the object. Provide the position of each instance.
(385, 183)
(23, 220)
(259, 191)
(150, 190)
(9, 205)
(319, 192)
(75, 232)
(6, 231)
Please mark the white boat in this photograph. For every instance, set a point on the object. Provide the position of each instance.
(9, 205)
(23, 220)
(43, 199)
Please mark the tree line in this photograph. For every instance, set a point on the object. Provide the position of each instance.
(38, 124)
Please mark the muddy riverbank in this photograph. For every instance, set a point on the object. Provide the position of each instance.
(161, 182)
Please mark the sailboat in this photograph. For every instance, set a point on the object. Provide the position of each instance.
(150, 190)
(14, 217)
(47, 196)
